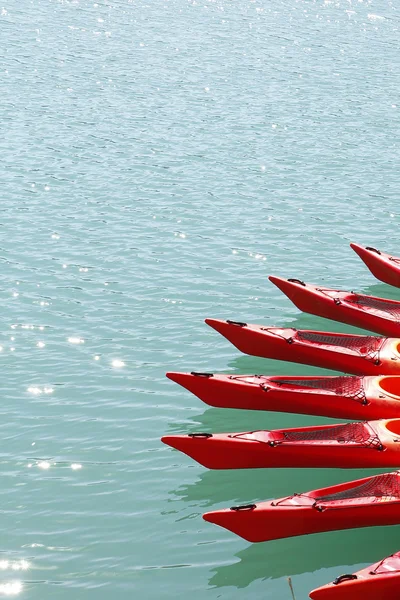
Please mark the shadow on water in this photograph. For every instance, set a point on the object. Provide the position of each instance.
(294, 556)
(381, 290)
(241, 486)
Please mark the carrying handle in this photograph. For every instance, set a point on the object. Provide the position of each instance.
(373, 249)
(244, 507)
(346, 577)
(297, 281)
(199, 374)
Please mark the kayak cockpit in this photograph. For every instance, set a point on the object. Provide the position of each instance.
(390, 384)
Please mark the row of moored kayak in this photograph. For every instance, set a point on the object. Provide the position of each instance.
(370, 396)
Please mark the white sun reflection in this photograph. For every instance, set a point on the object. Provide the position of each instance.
(117, 364)
(44, 464)
(17, 565)
(36, 391)
(76, 340)
(11, 589)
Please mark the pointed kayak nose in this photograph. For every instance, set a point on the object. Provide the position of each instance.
(228, 328)
(218, 517)
(225, 517)
(362, 252)
(223, 327)
(195, 445)
(238, 520)
(287, 286)
(217, 324)
(201, 385)
(236, 332)
(179, 442)
(186, 380)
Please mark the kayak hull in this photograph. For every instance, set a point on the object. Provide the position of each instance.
(368, 312)
(347, 397)
(378, 581)
(373, 444)
(263, 524)
(316, 511)
(349, 353)
(383, 266)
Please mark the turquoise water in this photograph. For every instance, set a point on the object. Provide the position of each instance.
(160, 160)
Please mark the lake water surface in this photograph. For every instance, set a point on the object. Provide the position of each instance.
(159, 160)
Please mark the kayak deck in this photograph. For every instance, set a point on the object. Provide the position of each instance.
(349, 353)
(368, 312)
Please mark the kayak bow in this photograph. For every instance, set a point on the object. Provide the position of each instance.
(358, 354)
(371, 444)
(383, 266)
(367, 502)
(344, 397)
(380, 581)
(368, 312)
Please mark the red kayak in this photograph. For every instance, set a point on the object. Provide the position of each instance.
(380, 581)
(368, 312)
(370, 444)
(344, 397)
(358, 354)
(383, 266)
(365, 502)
